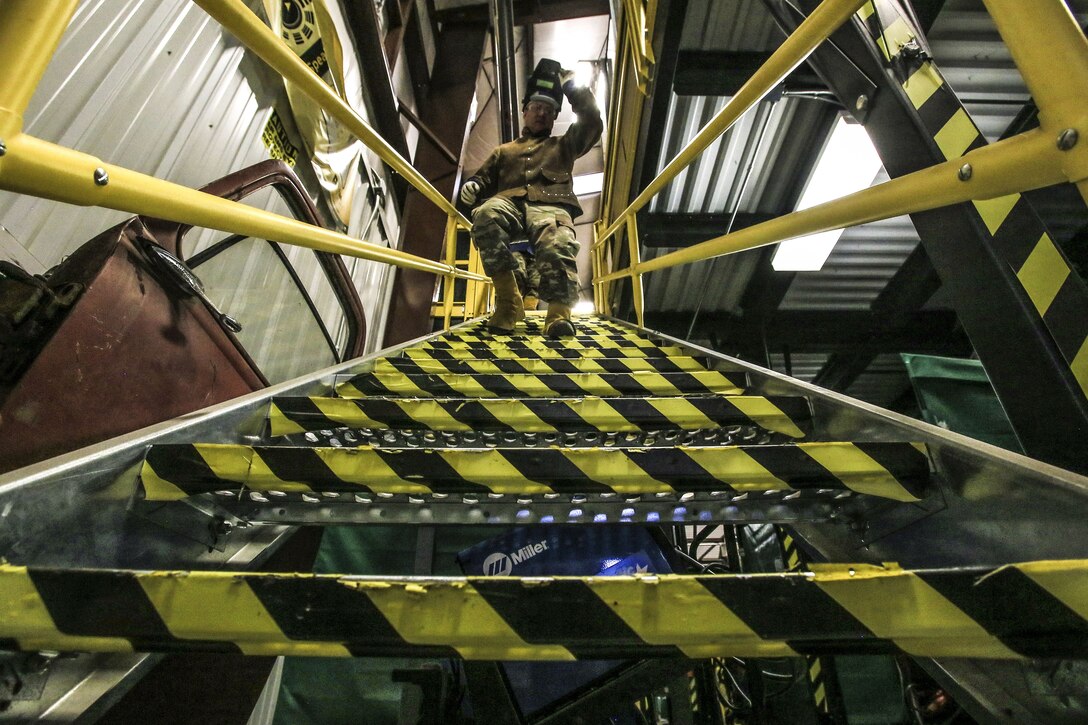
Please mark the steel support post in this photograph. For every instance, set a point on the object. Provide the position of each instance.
(1016, 296)
(451, 260)
(502, 48)
(453, 85)
(636, 279)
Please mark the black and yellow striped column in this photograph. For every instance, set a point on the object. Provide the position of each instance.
(819, 669)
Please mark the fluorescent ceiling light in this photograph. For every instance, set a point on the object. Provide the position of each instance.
(588, 184)
(848, 164)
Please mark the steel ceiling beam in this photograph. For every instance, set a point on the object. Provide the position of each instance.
(912, 286)
(723, 72)
(664, 230)
(527, 12)
(826, 331)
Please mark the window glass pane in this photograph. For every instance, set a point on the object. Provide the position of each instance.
(249, 282)
(303, 260)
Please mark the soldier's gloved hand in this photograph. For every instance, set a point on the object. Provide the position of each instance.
(566, 79)
(470, 191)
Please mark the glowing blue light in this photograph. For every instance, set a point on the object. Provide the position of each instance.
(575, 513)
(653, 516)
(599, 518)
(679, 511)
(524, 514)
(547, 519)
(627, 512)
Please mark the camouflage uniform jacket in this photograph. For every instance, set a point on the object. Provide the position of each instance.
(539, 167)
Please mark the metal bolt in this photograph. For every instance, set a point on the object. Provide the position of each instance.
(862, 102)
(3, 147)
(966, 172)
(1068, 138)
(101, 177)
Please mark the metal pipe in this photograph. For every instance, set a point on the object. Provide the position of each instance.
(1030, 160)
(234, 16)
(506, 88)
(813, 31)
(39, 168)
(636, 280)
(1043, 37)
(451, 261)
(30, 31)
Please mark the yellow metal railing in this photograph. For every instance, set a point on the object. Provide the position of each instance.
(638, 21)
(1042, 36)
(30, 31)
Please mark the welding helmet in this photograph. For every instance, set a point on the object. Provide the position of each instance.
(544, 86)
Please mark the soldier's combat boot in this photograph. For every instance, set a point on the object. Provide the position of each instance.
(531, 302)
(557, 323)
(508, 304)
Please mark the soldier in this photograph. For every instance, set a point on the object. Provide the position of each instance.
(528, 191)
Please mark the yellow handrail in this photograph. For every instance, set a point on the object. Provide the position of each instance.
(1028, 161)
(1041, 37)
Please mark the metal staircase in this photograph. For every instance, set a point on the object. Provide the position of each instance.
(142, 545)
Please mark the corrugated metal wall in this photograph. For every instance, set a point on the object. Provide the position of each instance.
(159, 87)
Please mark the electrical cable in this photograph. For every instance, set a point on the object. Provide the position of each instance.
(764, 122)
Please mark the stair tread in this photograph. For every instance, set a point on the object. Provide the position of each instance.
(789, 415)
(548, 385)
(970, 611)
(899, 471)
(392, 438)
(540, 343)
(559, 365)
(543, 353)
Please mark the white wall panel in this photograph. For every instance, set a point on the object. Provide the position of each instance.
(159, 87)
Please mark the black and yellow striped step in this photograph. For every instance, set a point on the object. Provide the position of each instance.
(544, 353)
(1018, 611)
(534, 322)
(788, 415)
(547, 385)
(538, 343)
(417, 437)
(562, 365)
(528, 332)
(898, 471)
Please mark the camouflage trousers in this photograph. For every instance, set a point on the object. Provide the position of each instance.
(500, 222)
(527, 274)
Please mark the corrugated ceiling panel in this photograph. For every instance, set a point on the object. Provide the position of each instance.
(713, 183)
(858, 270)
(803, 366)
(733, 25)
